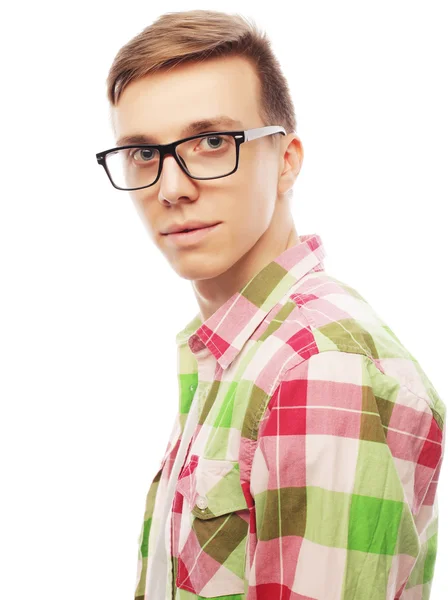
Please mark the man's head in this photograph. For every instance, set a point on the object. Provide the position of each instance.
(199, 65)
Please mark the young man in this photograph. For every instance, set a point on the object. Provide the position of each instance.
(306, 453)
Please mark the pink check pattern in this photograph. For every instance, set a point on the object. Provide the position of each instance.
(312, 471)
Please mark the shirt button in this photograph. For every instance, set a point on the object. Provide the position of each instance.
(191, 388)
(202, 502)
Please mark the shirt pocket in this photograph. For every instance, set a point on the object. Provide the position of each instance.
(212, 528)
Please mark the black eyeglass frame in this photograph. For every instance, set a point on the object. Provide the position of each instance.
(240, 137)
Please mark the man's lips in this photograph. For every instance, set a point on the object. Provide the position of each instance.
(191, 236)
(189, 229)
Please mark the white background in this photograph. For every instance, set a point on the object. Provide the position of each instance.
(90, 309)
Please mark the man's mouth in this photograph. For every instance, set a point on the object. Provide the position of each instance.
(191, 235)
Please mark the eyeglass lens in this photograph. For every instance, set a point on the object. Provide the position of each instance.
(208, 157)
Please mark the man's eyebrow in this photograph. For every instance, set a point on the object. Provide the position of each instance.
(191, 129)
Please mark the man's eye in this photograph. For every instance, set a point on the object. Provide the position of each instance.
(143, 154)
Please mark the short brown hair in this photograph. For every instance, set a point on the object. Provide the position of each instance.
(196, 35)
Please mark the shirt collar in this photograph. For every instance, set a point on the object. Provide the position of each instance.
(226, 331)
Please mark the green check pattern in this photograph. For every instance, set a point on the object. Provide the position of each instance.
(313, 468)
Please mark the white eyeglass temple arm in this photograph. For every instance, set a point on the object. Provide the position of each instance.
(253, 134)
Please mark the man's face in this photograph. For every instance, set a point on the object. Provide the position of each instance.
(160, 105)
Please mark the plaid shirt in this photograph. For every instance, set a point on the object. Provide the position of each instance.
(310, 471)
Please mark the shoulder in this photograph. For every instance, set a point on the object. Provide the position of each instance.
(341, 318)
(347, 340)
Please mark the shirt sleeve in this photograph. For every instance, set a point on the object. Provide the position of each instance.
(344, 480)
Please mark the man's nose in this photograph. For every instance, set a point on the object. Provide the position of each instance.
(169, 157)
(174, 182)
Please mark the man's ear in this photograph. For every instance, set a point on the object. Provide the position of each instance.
(290, 162)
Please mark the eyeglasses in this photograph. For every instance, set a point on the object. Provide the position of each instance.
(205, 156)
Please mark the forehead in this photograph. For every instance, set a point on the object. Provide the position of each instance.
(161, 105)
